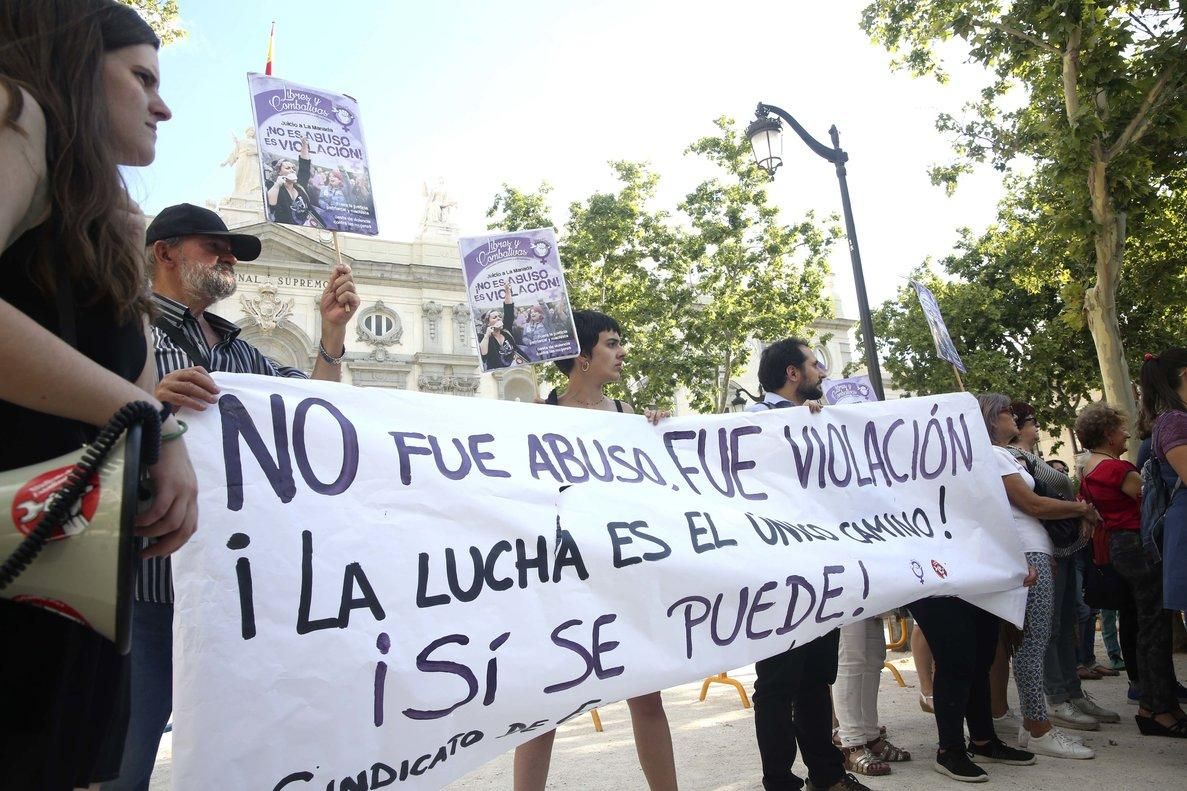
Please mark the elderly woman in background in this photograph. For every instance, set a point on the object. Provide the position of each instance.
(1070, 706)
(1114, 486)
(1037, 733)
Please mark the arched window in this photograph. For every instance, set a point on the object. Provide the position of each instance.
(379, 325)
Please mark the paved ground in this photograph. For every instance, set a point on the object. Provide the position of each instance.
(715, 747)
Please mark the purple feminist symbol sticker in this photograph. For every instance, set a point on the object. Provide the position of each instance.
(344, 116)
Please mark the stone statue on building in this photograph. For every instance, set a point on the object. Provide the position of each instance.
(439, 207)
(245, 158)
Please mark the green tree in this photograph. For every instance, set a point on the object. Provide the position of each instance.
(689, 289)
(515, 210)
(1091, 95)
(754, 276)
(622, 257)
(1011, 304)
(164, 16)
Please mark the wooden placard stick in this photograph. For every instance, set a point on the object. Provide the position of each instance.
(338, 255)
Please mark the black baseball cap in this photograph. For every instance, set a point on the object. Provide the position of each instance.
(186, 219)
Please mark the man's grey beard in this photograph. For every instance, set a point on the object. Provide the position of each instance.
(210, 284)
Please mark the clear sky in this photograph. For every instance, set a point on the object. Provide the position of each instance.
(483, 92)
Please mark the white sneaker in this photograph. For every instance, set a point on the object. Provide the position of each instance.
(1070, 716)
(1088, 706)
(1054, 743)
(1006, 726)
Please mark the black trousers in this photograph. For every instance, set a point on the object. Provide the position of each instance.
(1127, 634)
(1156, 670)
(963, 640)
(792, 704)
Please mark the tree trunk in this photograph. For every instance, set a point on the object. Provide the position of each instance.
(724, 393)
(1100, 301)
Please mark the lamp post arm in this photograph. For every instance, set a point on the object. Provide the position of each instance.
(831, 154)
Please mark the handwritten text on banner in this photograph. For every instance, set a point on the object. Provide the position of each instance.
(389, 588)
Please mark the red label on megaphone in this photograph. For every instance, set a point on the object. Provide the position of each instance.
(32, 500)
(53, 605)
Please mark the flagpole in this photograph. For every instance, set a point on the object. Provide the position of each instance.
(338, 254)
(271, 40)
(268, 72)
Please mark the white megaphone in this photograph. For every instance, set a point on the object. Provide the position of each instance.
(86, 569)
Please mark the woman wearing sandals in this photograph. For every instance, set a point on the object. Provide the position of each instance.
(599, 364)
(855, 699)
(1114, 486)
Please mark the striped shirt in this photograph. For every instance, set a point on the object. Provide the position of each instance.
(231, 355)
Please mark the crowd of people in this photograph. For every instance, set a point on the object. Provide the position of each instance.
(512, 335)
(97, 311)
(299, 192)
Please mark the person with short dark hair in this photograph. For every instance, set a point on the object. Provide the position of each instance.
(1059, 465)
(792, 704)
(598, 365)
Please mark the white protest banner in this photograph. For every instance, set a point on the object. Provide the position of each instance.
(518, 298)
(313, 157)
(945, 349)
(392, 588)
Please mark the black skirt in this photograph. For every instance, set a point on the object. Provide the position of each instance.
(64, 692)
(65, 697)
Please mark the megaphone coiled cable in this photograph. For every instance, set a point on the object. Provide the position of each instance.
(95, 454)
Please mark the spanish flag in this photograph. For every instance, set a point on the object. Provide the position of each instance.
(271, 38)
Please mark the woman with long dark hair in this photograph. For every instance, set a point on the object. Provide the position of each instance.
(599, 364)
(1114, 486)
(1164, 396)
(500, 342)
(78, 98)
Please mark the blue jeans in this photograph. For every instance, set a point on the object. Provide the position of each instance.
(1086, 648)
(1059, 664)
(152, 694)
(1108, 633)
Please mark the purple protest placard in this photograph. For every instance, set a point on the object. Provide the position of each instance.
(945, 349)
(313, 158)
(854, 390)
(518, 299)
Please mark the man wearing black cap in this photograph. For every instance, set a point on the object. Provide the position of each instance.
(191, 257)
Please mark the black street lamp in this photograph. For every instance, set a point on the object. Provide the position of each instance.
(766, 139)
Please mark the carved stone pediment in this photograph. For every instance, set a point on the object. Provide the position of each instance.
(266, 308)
